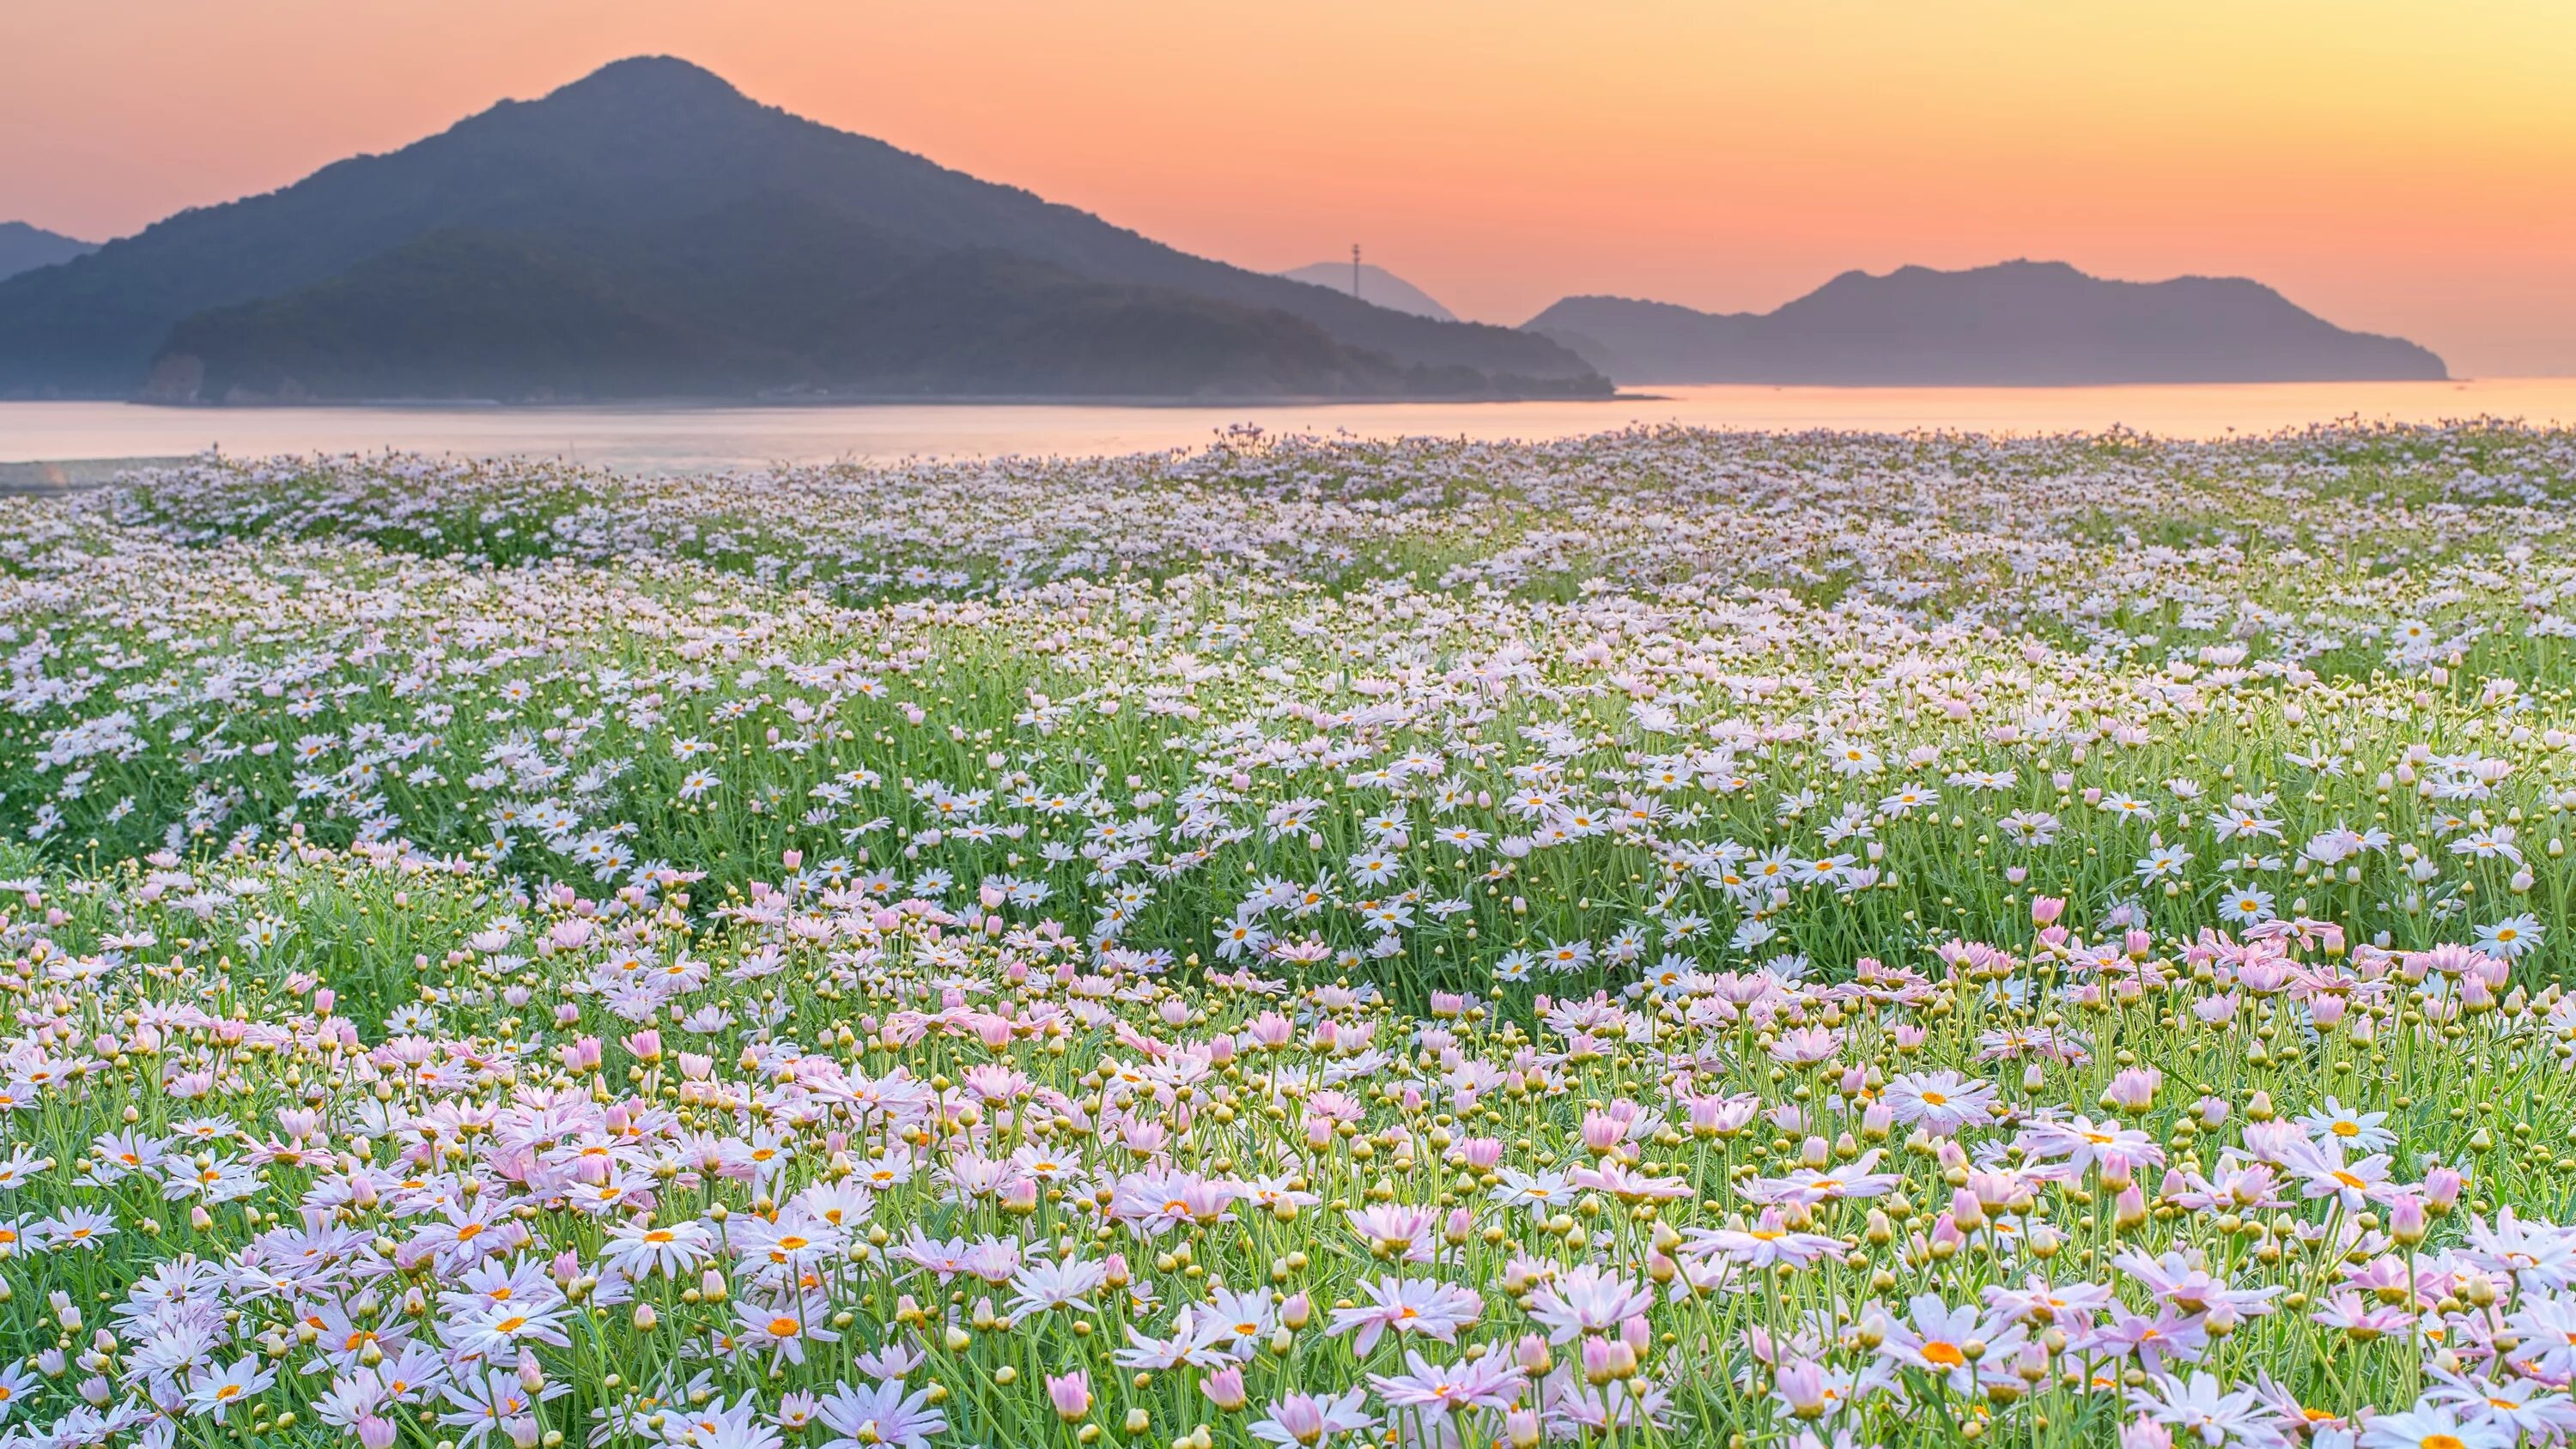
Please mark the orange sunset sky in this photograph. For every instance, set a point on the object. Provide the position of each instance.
(2397, 167)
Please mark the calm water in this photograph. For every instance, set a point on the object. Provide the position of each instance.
(670, 439)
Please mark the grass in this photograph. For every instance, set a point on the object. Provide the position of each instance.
(1728, 912)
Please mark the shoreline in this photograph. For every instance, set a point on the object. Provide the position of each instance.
(44, 477)
(90, 438)
(870, 400)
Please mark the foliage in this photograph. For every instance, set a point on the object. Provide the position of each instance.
(1659, 938)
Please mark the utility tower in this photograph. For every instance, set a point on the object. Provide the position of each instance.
(1355, 269)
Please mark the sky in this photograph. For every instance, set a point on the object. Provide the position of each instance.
(2407, 168)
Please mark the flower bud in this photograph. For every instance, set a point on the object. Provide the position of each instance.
(1224, 1388)
(1532, 1354)
(2442, 1189)
(2129, 1213)
(1873, 1330)
(2406, 1220)
(1801, 1386)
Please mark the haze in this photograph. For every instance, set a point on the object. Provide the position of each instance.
(2399, 168)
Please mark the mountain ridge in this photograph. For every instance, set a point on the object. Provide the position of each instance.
(563, 322)
(1378, 287)
(2016, 323)
(25, 246)
(648, 145)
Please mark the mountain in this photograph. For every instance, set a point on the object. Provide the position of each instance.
(2015, 323)
(1378, 287)
(649, 231)
(24, 248)
(474, 314)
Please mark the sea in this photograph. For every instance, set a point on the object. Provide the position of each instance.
(664, 439)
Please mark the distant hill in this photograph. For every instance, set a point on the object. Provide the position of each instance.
(2015, 323)
(1378, 287)
(649, 231)
(476, 314)
(24, 248)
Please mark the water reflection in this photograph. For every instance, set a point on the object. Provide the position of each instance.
(679, 439)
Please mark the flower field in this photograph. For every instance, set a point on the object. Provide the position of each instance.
(1662, 939)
